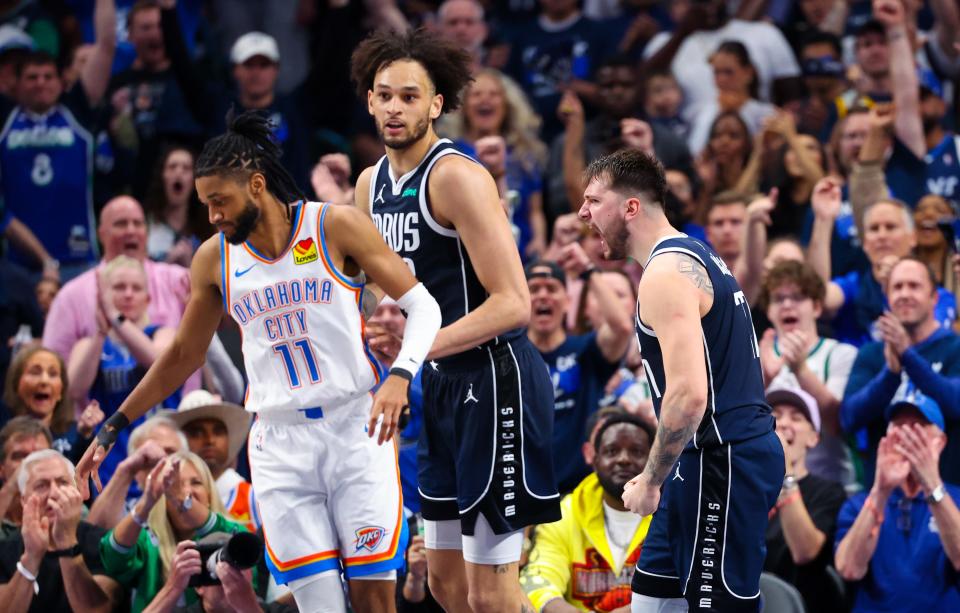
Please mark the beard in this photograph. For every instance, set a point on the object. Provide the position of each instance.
(245, 223)
(611, 486)
(419, 131)
(616, 239)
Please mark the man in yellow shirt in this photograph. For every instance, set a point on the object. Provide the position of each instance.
(585, 561)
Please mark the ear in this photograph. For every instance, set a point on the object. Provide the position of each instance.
(370, 101)
(436, 107)
(257, 184)
(817, 309)
(589, 453)
(813, 440)
(632, 207)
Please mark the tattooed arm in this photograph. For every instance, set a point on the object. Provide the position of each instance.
(675, 292)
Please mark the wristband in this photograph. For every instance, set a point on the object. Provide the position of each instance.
(137, 519)
(69, 552)
(402, 373)
(586, 274)
(29, 577)
(112, 428)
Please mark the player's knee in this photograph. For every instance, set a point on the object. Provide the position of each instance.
(491, 601)
(444, 591)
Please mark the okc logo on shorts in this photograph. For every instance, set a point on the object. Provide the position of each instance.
(369, 537)
(305, 251)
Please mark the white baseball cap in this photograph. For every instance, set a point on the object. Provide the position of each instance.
(253, 44)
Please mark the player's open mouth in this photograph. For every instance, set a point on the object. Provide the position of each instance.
(393, 126)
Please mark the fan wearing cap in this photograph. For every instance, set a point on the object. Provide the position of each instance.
(579, 365)
(215, 431)
(255, 57)
(915, 351)
(799, 534)
(900, 543)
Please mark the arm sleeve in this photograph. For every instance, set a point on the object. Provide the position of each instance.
(423, 323)
(547, 574)
(944, 390)
(870, 388)
(226, 376)
(124, 564)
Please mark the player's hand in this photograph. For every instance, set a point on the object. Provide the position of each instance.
(390, 401)
(641, 496)
(88, 468)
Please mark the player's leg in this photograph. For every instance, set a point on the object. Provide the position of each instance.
(320, 593)
(367, 508)
(738, 484)
(493, 569)
(437, 482)
(374, 593)
(301, 543)
(446, 574)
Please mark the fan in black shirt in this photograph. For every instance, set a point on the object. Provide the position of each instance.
(800, 533)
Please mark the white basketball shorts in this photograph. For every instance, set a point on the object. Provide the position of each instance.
(329, 496)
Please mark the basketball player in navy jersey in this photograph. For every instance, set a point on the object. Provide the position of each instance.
(484, 460)
(716, 465)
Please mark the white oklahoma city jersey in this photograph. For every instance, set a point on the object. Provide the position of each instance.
(299, 319)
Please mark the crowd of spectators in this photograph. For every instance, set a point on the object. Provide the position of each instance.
(810, 143)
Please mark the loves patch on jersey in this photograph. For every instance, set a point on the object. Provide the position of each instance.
(369, 537)
(305, 251)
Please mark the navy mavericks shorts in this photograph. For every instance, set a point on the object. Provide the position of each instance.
(487, 440)
(706, 541)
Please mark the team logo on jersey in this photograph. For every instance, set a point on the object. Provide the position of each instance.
(410, 191)
(369, 537)
(305, 252)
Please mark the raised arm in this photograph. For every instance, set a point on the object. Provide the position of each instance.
(571, 113)
(749, 267)
(467, 199)
(184, 356)
(908, 125)
(673, 286)
(96, 72)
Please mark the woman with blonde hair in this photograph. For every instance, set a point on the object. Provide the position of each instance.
(498, 126)
(180, 503)
(108, 365)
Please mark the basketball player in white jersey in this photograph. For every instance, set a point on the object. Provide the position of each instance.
(288, 272)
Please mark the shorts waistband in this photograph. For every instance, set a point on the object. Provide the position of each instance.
(479, 357)
(310, 415)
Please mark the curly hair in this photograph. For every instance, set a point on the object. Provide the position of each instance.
(800, 274)
(520, 124)
(447, 65)
(246, 147)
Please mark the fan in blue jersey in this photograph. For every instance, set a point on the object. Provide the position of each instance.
(47, 152)
(484, 464)
(715, 457)
(290, 273)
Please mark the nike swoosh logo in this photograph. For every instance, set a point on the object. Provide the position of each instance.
(239, 273)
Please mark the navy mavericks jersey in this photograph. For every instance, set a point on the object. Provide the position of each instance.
(400, 208)
(736, 404)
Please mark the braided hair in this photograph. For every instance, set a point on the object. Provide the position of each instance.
(246, 147)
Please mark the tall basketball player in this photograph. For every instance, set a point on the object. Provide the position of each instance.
(485, 459)
(715, 456)
(288, 271)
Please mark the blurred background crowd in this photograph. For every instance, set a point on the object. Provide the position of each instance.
(811, 143)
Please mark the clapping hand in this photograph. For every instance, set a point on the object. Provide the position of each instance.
(892, 468)
(915, 443)
(90, 418)
(826, 198)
